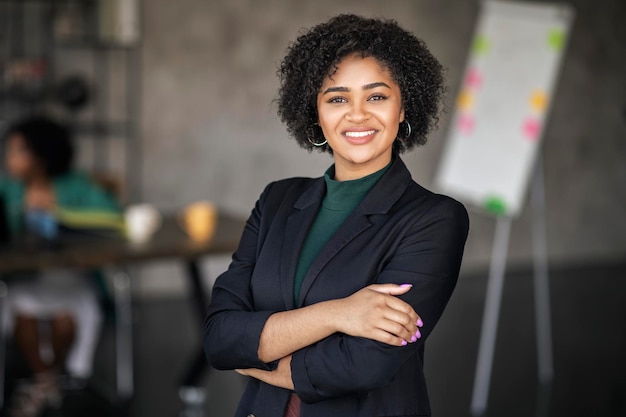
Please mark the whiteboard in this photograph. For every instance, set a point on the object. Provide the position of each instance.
(503, 103)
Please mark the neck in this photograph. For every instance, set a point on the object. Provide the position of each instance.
(38, 181)
(347, 171)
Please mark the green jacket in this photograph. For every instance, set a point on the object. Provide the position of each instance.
(77, 196)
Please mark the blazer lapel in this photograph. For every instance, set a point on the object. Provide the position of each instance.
(296, 229)
(354, 225)
(379, 200)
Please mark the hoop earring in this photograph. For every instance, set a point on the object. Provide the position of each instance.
(408, 130)
(312, 134)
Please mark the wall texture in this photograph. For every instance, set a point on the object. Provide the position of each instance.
(210, 129)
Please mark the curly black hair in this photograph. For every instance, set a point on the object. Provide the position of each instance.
(49, 142)
(316, 54)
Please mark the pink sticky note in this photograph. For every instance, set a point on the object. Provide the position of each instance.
(466, 124)
(531, 129)
(473, 79)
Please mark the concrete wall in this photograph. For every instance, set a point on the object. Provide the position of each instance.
(210, 129)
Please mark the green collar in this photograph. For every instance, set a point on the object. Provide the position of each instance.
(346, 195)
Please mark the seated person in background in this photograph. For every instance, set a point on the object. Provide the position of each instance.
(39, 189)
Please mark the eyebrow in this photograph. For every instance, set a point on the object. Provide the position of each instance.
(347, 90)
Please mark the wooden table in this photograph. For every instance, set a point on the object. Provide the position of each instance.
(85, 251)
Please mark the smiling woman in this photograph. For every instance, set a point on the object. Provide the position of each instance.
(315, 57)
(338, 280)
(360, 109)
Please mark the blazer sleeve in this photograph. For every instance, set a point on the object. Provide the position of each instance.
(429, 257)
(232, 327)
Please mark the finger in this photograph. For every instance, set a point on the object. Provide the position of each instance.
(401, 306)
(405, 320)
(399, 332)
(391, 289)
(405, 332)
(406, 309)
(382, 336)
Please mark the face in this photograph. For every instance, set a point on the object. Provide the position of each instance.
(20, 162)
(360, 109)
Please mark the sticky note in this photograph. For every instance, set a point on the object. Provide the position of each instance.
(473, 79)
(556, 39)
(538, 101)
(465, 101)
(495, 205)
(466, 124)
(531, 128)
(481, 45)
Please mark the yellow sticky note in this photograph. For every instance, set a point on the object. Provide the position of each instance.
(465, 101)
(538, 101)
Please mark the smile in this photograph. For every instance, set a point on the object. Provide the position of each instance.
(353, 134)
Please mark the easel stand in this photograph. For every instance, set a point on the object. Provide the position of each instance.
(494, 296)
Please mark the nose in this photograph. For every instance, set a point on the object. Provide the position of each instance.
(357, 113)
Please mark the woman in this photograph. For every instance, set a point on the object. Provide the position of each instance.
(40, 187)
(338, 281)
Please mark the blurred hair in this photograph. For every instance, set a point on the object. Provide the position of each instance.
(49, 142)
(316, 54)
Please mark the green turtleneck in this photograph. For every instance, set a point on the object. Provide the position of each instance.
(341, 198)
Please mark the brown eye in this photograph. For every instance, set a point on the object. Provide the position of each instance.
(337, 100)
(377, 97)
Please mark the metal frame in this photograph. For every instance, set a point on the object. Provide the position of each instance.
(493, 299)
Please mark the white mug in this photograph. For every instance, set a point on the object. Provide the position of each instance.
(142, 220)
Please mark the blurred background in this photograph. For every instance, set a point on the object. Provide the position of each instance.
(179, 107)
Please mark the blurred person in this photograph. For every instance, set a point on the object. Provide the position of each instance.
(339, 280)
(60, 307)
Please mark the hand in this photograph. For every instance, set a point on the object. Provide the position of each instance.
(376, 313)
(41, 199)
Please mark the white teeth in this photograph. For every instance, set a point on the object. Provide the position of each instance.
(359, 134)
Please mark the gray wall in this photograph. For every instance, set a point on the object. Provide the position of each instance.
(210, 129)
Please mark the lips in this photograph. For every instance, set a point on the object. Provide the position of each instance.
(359, 137)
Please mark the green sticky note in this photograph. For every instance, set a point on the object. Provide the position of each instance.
(481, 45)
(495, 205)
(556, 39)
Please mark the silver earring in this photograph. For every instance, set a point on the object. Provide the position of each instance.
(408, 130)
(312, 133)
(317, 144)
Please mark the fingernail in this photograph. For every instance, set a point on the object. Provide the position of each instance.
(419, 323)
(418, 334)
(406, 285)
(404, 343)
(414, 338)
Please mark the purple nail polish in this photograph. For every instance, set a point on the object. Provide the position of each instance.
(414, 338)
(418, 334)
(404, 343)
(406, 285)
(419, 323)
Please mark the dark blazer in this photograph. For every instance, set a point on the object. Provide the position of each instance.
(400, 233)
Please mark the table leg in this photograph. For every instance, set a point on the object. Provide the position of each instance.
(199, 293)
(3, 295)
(124, 334)
(200, 297)
(192, 395)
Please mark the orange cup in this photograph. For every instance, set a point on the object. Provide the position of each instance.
(199, 220)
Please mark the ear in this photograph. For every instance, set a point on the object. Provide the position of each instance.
(402, 115)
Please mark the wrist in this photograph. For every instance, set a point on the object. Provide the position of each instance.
(332, 312)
